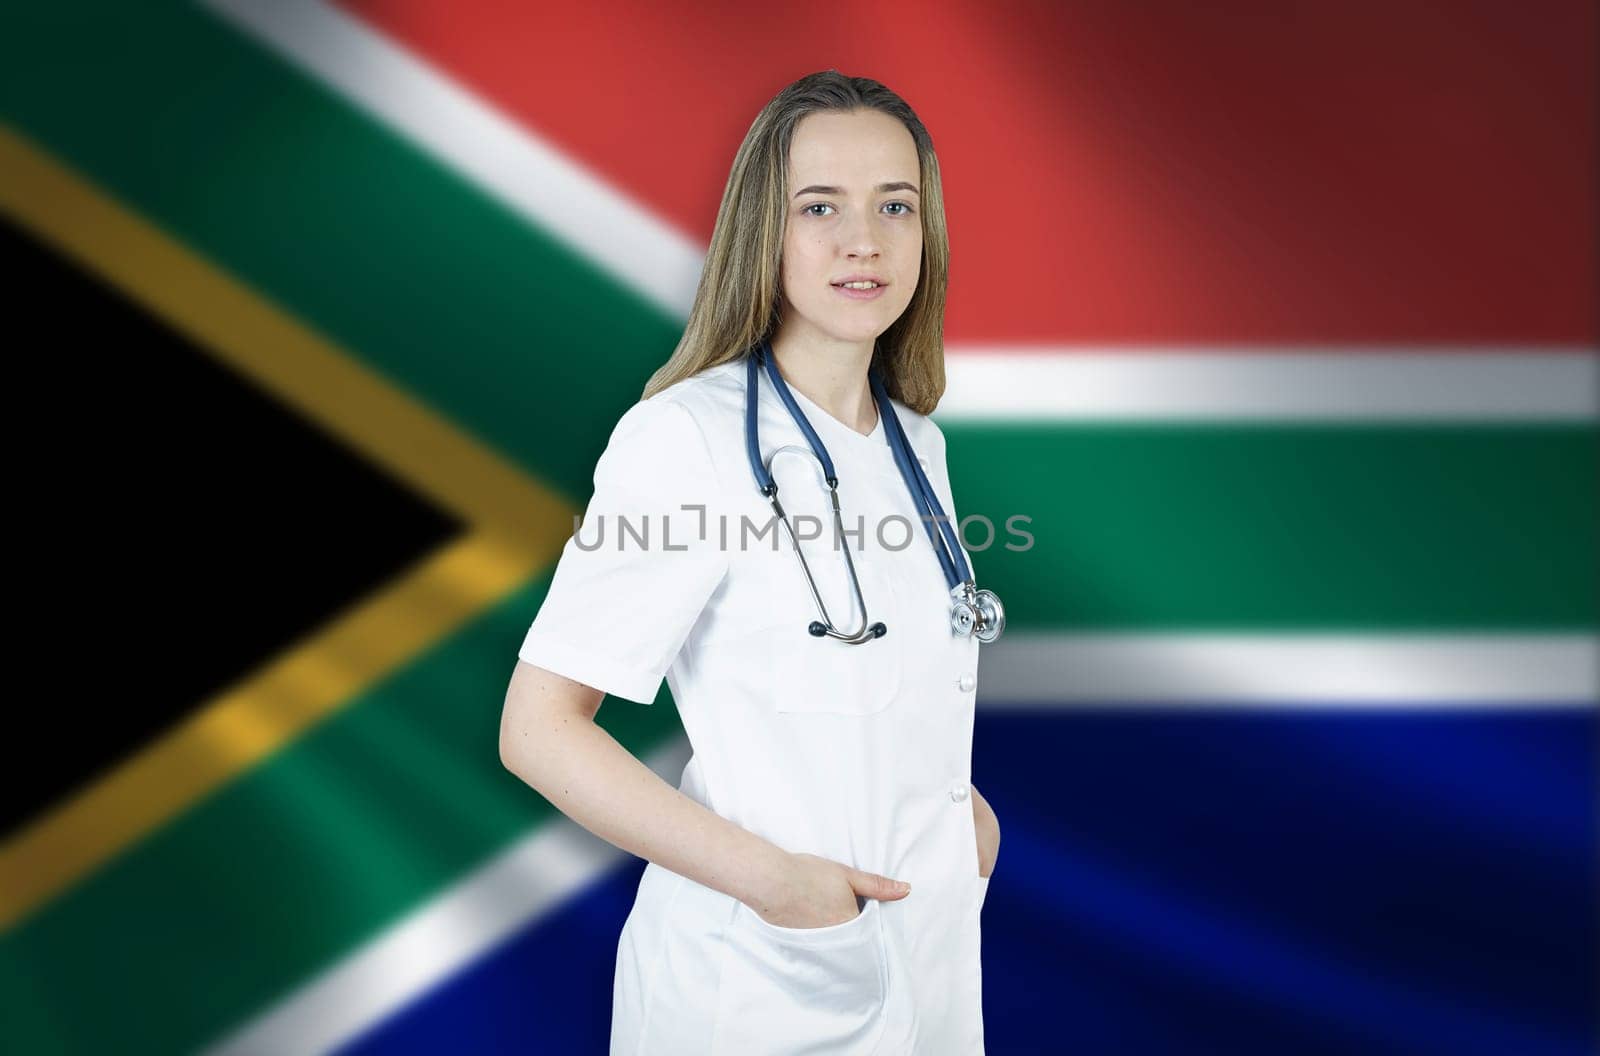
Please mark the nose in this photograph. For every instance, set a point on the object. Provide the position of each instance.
(859, 238)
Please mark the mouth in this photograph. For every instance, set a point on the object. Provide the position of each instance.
(861, 288)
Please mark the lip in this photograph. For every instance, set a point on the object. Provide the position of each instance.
(860, 295)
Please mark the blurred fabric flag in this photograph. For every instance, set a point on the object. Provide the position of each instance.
(1277, 323)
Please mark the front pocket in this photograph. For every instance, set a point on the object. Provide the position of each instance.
(802, 989)
(846, 931)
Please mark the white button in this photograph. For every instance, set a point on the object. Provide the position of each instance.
(958, 792)
(966, 682)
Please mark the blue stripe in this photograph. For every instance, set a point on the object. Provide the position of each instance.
(1239, 881)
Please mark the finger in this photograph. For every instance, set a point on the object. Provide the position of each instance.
(880, 887)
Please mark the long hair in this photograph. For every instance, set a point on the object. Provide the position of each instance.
(736, 304)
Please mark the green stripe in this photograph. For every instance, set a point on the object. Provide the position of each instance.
(1287, 527)
(386, 251)
(234, 903)
(391, 800)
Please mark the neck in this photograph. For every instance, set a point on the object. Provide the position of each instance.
(831, 374)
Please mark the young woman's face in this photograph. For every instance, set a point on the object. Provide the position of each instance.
(854, 209)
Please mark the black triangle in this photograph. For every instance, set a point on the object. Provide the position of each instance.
(173, 526)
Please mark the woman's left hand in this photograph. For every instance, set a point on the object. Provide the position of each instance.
(988, 829)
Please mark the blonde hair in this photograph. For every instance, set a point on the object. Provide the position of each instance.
(736, 304)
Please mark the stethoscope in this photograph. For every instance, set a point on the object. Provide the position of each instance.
(976, 613)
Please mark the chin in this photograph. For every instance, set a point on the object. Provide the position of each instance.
(858, 333)
(853, 326)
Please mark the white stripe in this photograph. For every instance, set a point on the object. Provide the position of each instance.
(441, 938)
(535, 179)
(1297, 384)
(1238, 671)
(524, 172)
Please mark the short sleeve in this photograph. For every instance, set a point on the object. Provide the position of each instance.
(635, 576)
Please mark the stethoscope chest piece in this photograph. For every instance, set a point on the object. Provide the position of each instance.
(963, 618)
(976, 613)
(991, 616)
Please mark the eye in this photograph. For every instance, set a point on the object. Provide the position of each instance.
(905, 208)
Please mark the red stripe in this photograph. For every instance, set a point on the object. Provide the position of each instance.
(1344, 171)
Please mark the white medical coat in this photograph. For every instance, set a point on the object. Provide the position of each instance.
(858, 753)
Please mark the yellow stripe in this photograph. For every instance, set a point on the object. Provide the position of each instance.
(515, 527)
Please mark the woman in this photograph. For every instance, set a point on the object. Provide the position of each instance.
(814, 884)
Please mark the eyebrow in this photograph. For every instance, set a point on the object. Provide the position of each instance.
(817, 188)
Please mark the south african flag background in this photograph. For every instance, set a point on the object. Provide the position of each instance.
(1278, 320)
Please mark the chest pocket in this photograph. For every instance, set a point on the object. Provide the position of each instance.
(812, 674)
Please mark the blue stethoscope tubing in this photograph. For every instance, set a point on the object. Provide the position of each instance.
(973, 612)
